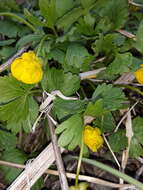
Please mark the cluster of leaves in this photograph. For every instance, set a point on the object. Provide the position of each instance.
(70, 36)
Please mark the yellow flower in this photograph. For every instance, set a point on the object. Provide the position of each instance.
(92, 138)
(139, 75)
(27, 68)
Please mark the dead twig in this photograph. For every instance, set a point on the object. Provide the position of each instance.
(59, 162)
(114, 156)
(124, 117)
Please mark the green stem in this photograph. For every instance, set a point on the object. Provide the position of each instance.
(55, 32)
(20, 19)
(115, 172)
(82, 92)
(79, 162)
(130, 87)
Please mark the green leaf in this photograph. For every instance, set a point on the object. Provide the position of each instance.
(63, 6)
(14, 127)
(68, 19)
(108, 44)
(138, 128)
(29, 113)
(118, 141)
(9, 5)
(11, 29)
(15, 111)
(121, 64)
(87, 3)
(11, 88)
(46, 48)
(71, 84)
(71, 130)
(16, 156)
(48, 10)
(39, 184)
(116, 11)
(6, 52)
(6, 42)
(7, 140)
(32, 116)
(136, 64)
(30, 38)
(95, 109)
(86, 25)
(113, 97)
(103, 25)
(33, 19)
(55, 79)
(105, 122)
(16, 105)
(57, 55)
(63, 108)
(136, 149)
(75, 56)
(139, 38)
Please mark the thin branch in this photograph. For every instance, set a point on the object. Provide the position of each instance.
(8, 63)
(58, 157)
(70, 175)
(117, 162)
(124, 117)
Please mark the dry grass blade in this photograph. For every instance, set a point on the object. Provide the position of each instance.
(72, 176)
(124, 117)
(36, 170)
(129, 135)
(91, 74)
(127, 34)
(126, 78)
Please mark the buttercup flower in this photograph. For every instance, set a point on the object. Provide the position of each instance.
(139, 75)
(27, 68)
(92, 138)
